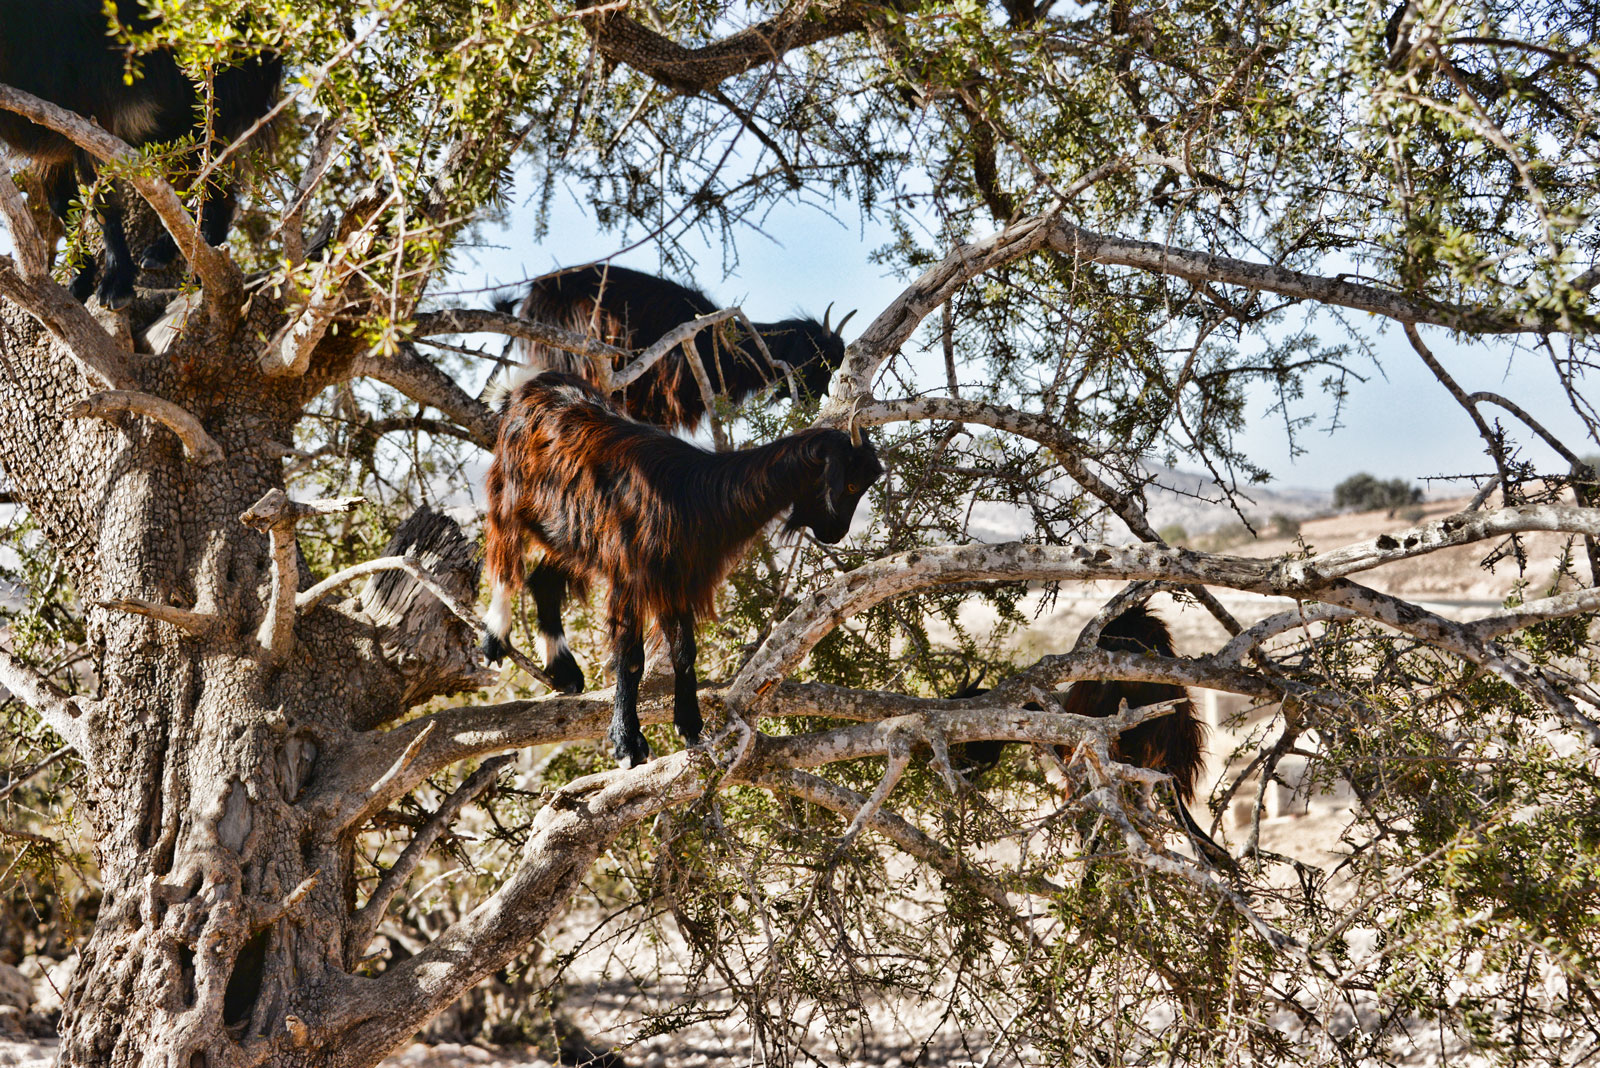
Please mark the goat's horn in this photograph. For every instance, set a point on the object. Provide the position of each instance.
(840, 328)
(825, 313)
(855, 413)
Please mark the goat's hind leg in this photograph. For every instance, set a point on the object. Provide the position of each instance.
(627, 740)
(679, 632)
(548, 584)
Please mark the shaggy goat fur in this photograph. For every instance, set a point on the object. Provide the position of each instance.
(1173, 743)
(62, 52)
(660, 519)
(634, 310)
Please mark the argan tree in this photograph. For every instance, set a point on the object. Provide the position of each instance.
(1117, 223)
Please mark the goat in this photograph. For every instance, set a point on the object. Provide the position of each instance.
(62, 52)
(1174, 743)
(659, 518)
(634, 310)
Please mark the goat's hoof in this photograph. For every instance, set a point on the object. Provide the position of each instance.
(565, 673)
(631, 752)
(494, 648)
(115, 293)
(83, 285)
(159, 255)
(690, 735)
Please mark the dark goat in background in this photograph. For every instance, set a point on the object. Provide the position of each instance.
(1173, 743)
(62, 51)
(634, 310)
(659, 518)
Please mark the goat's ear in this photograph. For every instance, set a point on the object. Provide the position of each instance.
(833, 472)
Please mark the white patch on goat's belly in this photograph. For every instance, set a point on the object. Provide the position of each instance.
(135, 119)
(498, 618)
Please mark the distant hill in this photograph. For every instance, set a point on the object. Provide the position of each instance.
(1186, 498)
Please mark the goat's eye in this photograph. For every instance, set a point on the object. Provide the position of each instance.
(852, 488)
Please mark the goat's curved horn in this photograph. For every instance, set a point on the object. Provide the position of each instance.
(840, 328)
(855, 414)
(825, 313)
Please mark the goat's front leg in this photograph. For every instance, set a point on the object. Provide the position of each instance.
(116, 280)
(548, 584)
(627, 643)
(679, 632)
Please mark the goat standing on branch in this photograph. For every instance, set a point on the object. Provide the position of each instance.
(634, 310)
(62, 52)
(659, 518)
(1173, 743)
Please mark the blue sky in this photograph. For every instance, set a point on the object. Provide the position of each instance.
(1399, 423)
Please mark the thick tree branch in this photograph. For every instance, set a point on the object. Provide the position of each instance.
(85, 340)
(621, 39)
(58, 710)
(894, 576)
(412, 374)
(33, 254)
(219, 278)
(895, 325)
(198, 446)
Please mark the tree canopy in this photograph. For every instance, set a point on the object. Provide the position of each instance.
(1119, 228)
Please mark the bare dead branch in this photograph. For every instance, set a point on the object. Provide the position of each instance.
(678, 335)
(364, 923)
(59, 711)
(198, 446)
(276, 515)
(471, 321)
(200, 624)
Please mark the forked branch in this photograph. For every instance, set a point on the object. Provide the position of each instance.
(198, 446)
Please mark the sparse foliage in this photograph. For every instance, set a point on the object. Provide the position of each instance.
(1129, 230)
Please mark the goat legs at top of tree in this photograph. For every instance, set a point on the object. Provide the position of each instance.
(72, 60)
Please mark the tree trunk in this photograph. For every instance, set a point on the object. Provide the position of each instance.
(224, 925)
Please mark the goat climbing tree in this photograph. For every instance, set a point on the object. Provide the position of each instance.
(1125, 222)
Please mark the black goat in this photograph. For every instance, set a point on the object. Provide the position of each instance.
(634, 310)
(1174, 743)
(62, 52)
(659, 518)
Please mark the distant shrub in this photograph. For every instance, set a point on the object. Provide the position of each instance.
(1173, 534)
(1284, 526)
(1365, 493)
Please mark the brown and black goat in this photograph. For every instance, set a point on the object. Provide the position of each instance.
(62, 52)
(1173, 743)
(660, 519)
(634, 310)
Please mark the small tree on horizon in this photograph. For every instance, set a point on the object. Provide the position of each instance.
(1367, 493)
